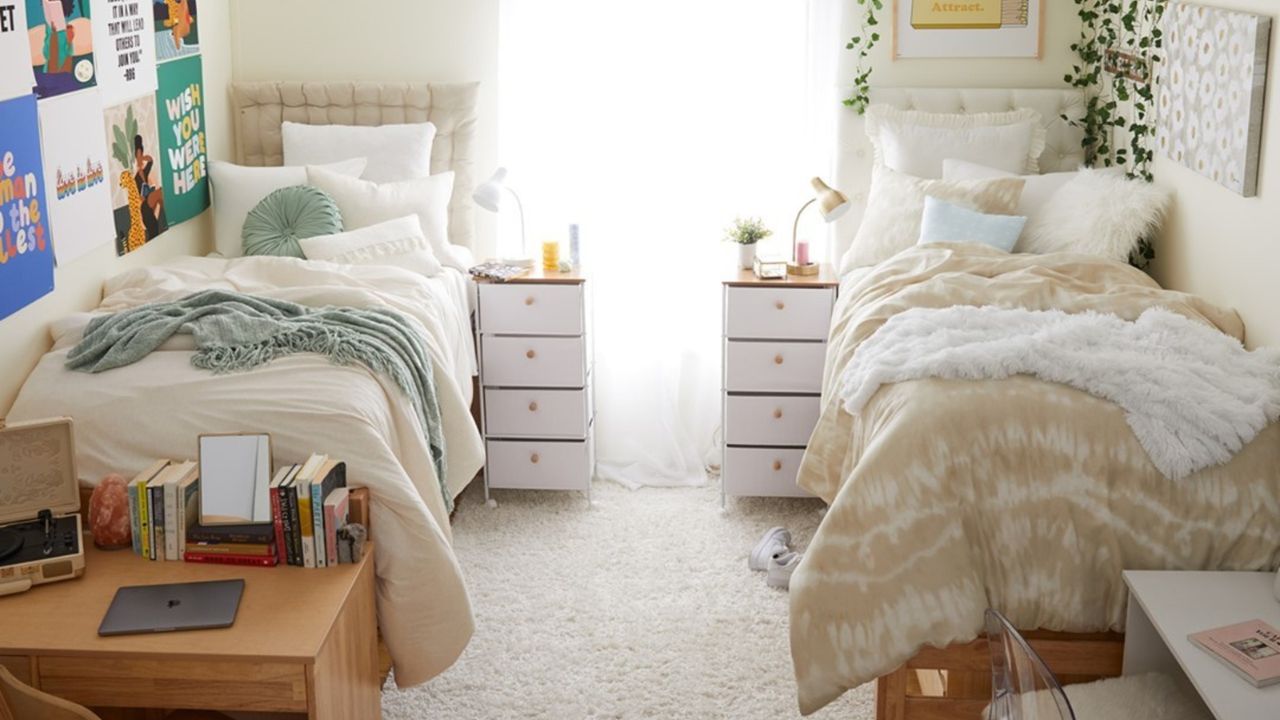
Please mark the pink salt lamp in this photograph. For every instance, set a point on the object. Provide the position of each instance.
(109, 514)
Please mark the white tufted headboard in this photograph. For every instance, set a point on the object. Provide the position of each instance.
(260, 108)
(1062, 151)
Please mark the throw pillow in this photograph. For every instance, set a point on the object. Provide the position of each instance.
(287, 215)
(395, 152)
(1035, 195)
(917, 142)
(1097, 213)
(397, 242)
(946, 222)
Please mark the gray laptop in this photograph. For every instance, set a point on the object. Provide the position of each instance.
(165, 608)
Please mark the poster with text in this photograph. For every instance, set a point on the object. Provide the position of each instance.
(60, 35)
(137, 194)
(77, 197)
(177, 32)
(16, 76)
(183, 156)
(26, 255)
(125, 46)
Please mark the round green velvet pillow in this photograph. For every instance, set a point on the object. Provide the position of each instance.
(276, 224)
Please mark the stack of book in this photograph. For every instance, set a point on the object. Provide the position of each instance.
(309, 506)
(162, 507)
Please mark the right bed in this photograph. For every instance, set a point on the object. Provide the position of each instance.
(949, 496)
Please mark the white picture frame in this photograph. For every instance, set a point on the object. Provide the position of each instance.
(1013, 40)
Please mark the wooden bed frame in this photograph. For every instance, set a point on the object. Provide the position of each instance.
(954, 683)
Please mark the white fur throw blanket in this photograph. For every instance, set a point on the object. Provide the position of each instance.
(1192, 395)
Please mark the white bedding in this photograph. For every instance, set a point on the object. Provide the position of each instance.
(124, 418)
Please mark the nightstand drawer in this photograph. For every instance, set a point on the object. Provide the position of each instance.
(774, 366)
(537, 413)
(762, 472)
(539, 465)
(527, 309)
(778, 313)
(770, 420)
(534, 361)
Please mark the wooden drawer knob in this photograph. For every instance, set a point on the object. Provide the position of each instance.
(777, 465)
(777, 413)
(534, 458)
(533, 406)
(528, 300)
(777, 359)
(780, 305)
(530, 354)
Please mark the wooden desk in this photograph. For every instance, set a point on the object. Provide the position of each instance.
(304, 641)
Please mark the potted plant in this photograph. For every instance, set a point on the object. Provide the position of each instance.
(746, 232)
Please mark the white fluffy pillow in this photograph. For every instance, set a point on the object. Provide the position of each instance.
(895, 207)
(398, 242)
(1035, 195)
(1098, 213)
(395, 152)
(365, 203)
(917, 142)
(237, 189)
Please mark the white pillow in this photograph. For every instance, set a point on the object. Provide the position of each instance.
(395, 152)
(1035, 195)
(916, 142)
(365, 203)
(895, 207)
(398, 242)
(1098, 213)
(237, 189)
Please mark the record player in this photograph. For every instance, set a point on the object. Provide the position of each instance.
(40, 535)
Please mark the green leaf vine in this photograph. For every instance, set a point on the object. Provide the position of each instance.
(862, 43)
(1119, 92)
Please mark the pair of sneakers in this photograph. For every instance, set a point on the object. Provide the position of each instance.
(773, 555)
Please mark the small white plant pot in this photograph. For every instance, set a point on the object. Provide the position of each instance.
(746, 256)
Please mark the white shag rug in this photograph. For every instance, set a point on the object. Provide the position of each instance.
(640, 606)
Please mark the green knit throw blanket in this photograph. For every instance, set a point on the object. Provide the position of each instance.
(235, 332)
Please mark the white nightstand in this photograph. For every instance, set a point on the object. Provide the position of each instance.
(775, 344)
(536, 404)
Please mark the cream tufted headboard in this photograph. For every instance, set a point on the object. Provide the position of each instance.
(261, 107)
(1063, 150)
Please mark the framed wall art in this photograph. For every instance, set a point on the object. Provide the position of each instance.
(968, 28)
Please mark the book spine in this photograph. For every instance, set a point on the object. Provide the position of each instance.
(306, 526)
(331, 533)
(144, 520)
(277, 523)
(253, 560)
(289, 512)
(171, 521)
(317, 524)
(208, 534)
(135, 521)
(232, 549)
(157, 523)
(188, 513)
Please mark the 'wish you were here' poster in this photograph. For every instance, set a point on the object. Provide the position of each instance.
(26, 254)
(183, 155)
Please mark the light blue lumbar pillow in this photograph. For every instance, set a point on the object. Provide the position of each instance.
(945, 222)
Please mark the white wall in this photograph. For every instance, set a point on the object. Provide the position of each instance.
(24, 336)
(406, 40)
(1219, 245)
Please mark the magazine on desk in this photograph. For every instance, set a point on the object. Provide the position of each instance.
(1251, 649)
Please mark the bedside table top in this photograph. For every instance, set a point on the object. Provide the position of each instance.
(826, 277)
(538, 276)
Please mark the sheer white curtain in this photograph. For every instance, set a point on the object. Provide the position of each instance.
(652, 125)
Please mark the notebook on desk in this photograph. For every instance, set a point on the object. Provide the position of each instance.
(166, 608)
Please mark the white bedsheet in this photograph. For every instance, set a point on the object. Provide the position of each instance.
(124, 418)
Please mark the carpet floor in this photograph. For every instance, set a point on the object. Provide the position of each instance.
(640, 606)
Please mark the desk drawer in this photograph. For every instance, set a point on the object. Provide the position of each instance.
(534, 361)
(762, 472)
(770, 420)
(537, 413)
(527, 309)
(177, 684)
(539, 465)
(768, 313)
(774, 366)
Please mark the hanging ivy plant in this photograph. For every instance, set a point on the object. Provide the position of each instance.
(1120, 44)
(862, 43)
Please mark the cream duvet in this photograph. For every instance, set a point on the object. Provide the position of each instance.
(949, 496)
(124, 418)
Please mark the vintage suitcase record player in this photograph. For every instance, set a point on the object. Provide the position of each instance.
(40, 537)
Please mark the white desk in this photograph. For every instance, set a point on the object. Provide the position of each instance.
(1165, 607)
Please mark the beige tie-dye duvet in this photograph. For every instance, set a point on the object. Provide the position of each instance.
(949, 496)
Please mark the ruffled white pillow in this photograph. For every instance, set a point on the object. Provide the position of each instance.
(1099, 212)
(917, 143)
(399, 242)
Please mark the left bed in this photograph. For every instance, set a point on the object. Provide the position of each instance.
(157, 407)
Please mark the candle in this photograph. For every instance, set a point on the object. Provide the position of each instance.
(550, 255)
(802, 252)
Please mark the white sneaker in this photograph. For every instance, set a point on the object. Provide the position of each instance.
(774, 541)
(781, 567)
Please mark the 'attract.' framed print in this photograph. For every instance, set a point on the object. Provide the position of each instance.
(968, 28)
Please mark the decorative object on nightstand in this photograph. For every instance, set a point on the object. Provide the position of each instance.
(775, 343)
(536, 400)
(833, 205)
(770, 267)
(490, 196)
(746, 233)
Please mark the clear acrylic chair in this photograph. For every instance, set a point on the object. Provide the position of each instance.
(1022, 686)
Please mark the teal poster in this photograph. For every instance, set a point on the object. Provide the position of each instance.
(61, 39)
(183, 155)
(26, 253)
